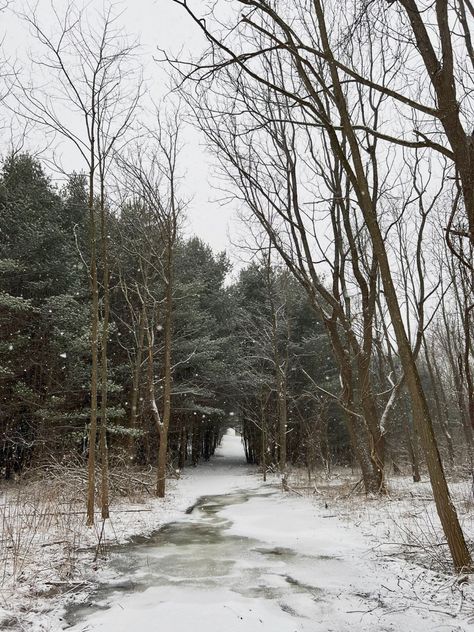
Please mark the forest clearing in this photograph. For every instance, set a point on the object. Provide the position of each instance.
(236, 315)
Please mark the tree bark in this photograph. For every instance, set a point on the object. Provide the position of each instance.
(104, 452)
(94, 328)
(167, 377)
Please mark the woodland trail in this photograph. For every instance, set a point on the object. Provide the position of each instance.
(248, 558)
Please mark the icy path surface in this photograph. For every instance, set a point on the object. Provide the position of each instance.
(248, 558)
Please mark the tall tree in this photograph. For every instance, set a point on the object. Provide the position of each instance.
(93, 68)
(152, 175)
(306, 48)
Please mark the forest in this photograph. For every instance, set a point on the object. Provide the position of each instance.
(335, 336)
(226, 342)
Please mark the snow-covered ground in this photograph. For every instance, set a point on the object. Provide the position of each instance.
(251, 557)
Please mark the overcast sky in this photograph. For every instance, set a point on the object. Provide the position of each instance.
(157, 23)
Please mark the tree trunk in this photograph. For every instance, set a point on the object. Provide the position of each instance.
(134, 398)
(168, 322)
(372, 476)
(94, 288)
(263, 423)
(377, 439)
(183, 446)
(282, 415)
(442, 77)
(104, 452)
(452, 529)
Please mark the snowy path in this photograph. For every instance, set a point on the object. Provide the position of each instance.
(248, 558)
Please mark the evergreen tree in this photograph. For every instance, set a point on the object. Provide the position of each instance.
(43, 314)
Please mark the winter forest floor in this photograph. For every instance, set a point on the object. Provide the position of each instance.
(244, 556)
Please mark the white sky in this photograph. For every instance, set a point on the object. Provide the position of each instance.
(157, 23)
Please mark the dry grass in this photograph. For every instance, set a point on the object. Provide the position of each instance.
(46, 509)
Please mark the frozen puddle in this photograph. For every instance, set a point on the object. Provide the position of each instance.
(201, 573)
(196, 570)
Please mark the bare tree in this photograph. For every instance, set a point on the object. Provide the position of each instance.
(152, 176)
(441, 33)
(91, 73)
(314, 72)
(267, 165)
